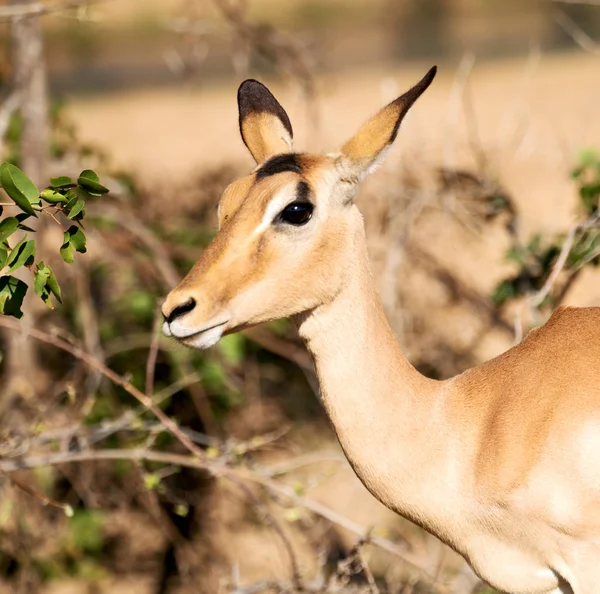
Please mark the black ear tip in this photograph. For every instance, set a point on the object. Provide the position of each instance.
(250, 89)
(254, 97)
(249, 85)
(431, 74)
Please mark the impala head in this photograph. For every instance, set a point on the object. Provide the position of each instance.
(286, 231)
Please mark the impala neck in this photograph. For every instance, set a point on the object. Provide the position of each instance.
(381, 407)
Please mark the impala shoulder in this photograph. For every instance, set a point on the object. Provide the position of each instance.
(568, 328)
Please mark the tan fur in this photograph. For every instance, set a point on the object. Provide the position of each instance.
(373, 138)
(265, 136)
(501, 462)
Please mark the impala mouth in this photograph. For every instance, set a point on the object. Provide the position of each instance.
(199, 339)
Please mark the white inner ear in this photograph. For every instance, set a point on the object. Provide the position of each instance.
(377, 162)
(279, 200)
(285, 136)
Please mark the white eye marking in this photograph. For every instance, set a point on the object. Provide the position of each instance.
(275, 206)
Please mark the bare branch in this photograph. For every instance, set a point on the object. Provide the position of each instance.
(43, 499)
(537, 298)
(579, 36)
(39, 8)
(78, 353)
(153, 353)
(216, 469)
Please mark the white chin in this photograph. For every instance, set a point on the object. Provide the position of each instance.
(205, 340)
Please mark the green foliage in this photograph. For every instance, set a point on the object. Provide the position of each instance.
(86, 533)
(535, 259)
(232, 348)
(12, 293)
(587, 177)
(63, 197)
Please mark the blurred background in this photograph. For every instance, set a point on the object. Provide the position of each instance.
(491, 169)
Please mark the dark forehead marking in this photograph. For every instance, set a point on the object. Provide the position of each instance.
(302, 192)
(279, 164)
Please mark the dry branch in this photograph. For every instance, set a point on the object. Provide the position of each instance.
(579, 36)
(80, 354)
(537, 298)
(29, 9)
(216, 468)
(197, 460)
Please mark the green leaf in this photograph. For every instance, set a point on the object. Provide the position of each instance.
(78, 240)
(90, 181)
(76, 202)
(62, 181)
(505, 291)
(23, 216)
(88, 175)
(66, 250)
(23, 253)
(8, 227)
(76, 208)
(45, 283)
(3, 255)
(53, 285)
(40, 278)
(52, 196)
(19, 187)
(12, 292)
(74, 238)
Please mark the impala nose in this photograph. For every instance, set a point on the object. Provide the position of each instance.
(180, 310)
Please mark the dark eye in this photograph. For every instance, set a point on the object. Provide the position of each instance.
(296, 213)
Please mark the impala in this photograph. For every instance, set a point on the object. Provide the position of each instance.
(501, 462)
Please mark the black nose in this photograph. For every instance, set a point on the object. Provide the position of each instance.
(181, 310)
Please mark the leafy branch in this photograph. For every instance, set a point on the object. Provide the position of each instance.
(64, 197)
(547, 266)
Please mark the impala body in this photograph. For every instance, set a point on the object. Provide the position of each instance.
(501, 462)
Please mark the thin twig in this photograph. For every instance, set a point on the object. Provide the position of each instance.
(275, 526)
(537, 298)
(579, 36)
(218, 470)
(39, 8)
(168, 273)
(111, 375)
(153, 353)
(43, 499)
(53, 215)
(365, 566)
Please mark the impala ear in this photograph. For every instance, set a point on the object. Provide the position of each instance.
(362, 153)
(265, 127)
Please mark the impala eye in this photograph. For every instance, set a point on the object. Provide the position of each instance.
(296, 213)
